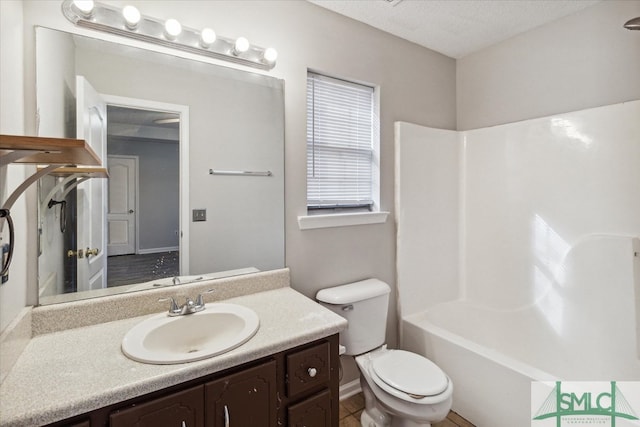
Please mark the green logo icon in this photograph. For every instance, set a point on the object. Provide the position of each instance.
(609, 403)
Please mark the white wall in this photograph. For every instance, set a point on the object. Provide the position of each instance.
(13, 294)
(580, 61)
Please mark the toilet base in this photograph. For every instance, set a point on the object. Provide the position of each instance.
(375, 415)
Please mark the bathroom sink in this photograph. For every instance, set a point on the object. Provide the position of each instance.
(167, 340)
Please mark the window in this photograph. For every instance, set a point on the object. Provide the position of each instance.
(341, 143)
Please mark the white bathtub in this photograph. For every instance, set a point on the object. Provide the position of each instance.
(582, 329)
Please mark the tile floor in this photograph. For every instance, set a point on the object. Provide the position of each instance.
(351, 408)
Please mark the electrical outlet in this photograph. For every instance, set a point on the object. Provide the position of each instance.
(199, 215)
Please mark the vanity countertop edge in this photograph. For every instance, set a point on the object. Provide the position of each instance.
(63, 374)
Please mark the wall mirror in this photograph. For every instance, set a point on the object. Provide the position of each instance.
(194, 154)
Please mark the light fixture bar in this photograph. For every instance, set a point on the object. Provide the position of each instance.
(110, 19)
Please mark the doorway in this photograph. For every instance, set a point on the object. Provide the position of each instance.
(146, 146)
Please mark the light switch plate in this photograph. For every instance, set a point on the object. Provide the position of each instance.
(199, 215)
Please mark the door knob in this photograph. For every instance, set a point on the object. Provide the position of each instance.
(79, 253)
(131, 210)
(94, 251)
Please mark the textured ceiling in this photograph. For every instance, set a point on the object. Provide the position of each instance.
(455, 27)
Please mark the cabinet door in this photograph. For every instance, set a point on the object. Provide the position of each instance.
(182, 409)
(312, 412)
(244, 399)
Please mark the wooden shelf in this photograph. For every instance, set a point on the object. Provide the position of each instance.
(91, 172)
(59, 151)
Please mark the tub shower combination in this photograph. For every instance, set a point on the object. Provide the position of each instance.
(519, 255)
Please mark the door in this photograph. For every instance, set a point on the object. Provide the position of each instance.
(247, 398)
(121, 213)
(312, 412)
(91, 122)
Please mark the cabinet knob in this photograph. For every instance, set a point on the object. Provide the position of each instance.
(312, 372)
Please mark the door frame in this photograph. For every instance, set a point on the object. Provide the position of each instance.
(183, 111)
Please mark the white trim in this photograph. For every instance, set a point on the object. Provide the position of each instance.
(183, 110)
(310, 222)
(158, 250)
(349, 389)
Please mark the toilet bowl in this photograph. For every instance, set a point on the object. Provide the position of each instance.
(401, 388)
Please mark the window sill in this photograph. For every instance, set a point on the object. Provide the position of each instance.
(310, 222)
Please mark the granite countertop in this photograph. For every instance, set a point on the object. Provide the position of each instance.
(70, 372)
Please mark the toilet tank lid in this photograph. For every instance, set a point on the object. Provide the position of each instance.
(353, 292)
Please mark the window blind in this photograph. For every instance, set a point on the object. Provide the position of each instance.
(339, 143)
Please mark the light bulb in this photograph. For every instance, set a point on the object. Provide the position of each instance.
(270, 55)
(207, 37)
(241, 45)
(173, 28)
(131, 16)
(84, 6)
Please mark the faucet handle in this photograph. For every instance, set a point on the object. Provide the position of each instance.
(173, 307)
(200, 300)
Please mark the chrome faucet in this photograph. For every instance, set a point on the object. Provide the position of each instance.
(189, 306)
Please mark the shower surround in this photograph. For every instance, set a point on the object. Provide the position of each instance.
(518, 254)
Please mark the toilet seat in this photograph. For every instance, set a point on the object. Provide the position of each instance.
(408, 376)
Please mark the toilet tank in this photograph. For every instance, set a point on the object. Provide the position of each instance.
(364, 304)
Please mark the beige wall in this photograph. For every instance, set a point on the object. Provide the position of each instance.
(580, 61)
(577, 62)
(416, 85)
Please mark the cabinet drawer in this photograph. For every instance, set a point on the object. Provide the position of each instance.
(312, 412)
(307, 369)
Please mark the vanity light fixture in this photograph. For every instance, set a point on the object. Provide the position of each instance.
(240, 46)
(207, 37)
(172, 28)
(131, 17)
(270, 55)
(129, 22)
(84, 6)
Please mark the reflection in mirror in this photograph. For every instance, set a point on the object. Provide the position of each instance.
(143, 161)
(163, 123)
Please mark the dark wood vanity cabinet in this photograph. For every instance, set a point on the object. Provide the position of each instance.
(297, 387)
(246, 398)
(181, 409)
(315, 411)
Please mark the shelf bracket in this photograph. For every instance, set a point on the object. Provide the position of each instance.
(79, 177)
(22, 187)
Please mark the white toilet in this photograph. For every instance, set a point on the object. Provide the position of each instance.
(401, 389)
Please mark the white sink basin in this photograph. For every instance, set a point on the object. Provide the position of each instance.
(166, 340)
